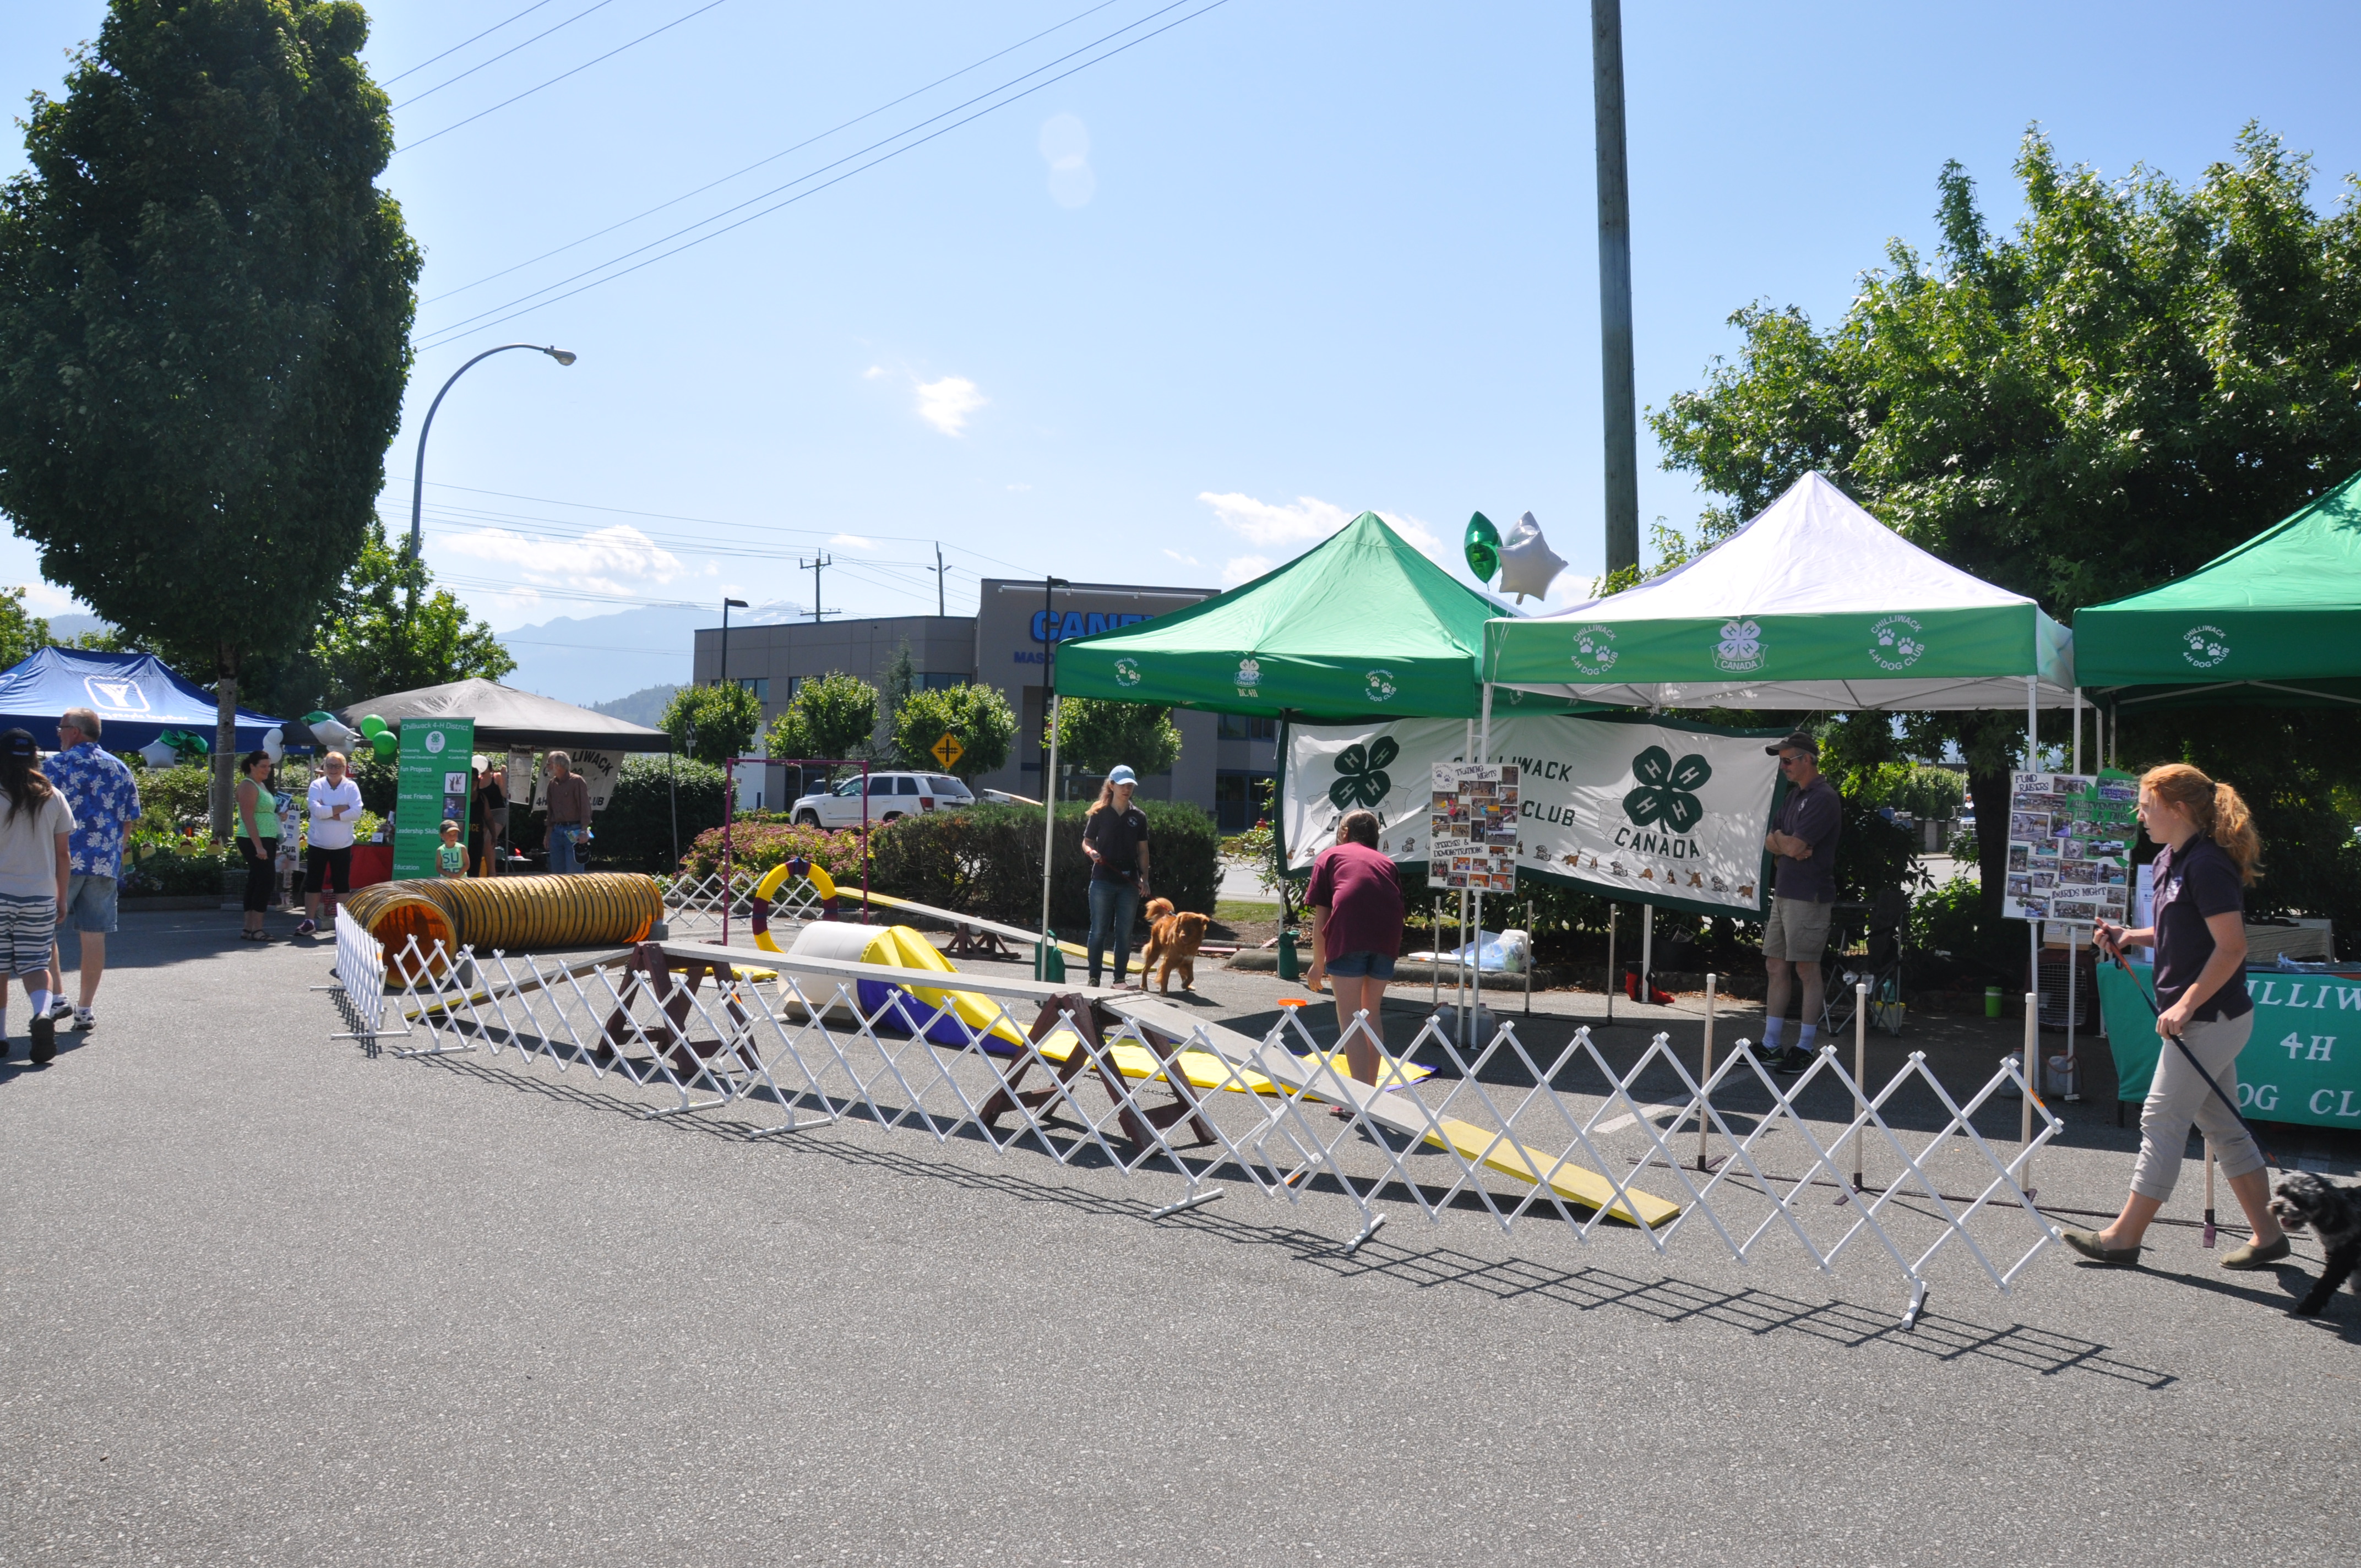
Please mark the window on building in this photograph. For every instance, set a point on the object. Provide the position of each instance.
(937, 680)
(794, 685)
(758, 685)
(1238, 798)
(1240, 726)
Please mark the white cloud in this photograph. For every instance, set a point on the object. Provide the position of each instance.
(44, 597)
(1018, 490)
(1184, 560)
(618, 560)
(945, 404)
(1243, 569)
(872, 372)
(851, 542)
(1065, 143)
(1307, 521)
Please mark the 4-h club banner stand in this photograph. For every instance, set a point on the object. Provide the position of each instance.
(1659, 811)
(432, 782)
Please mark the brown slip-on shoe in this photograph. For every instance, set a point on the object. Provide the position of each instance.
(2087, 1242)
(2253, 1257)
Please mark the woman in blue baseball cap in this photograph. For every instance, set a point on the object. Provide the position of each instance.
(1115, 837)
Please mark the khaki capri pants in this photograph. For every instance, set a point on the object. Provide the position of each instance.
(2178, 1096)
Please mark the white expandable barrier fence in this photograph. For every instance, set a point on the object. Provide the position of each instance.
(1129, 1081)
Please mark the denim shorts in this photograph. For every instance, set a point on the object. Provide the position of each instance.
(1364, 962)
(89, 902)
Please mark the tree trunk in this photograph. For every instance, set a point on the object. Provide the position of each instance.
(1990, 792)
(225, 748)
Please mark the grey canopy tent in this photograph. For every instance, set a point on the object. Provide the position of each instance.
(507, 717)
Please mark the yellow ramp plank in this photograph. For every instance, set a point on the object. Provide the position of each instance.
(1495, 1151)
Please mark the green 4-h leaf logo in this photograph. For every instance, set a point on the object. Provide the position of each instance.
(1360, 773)
(1667, 790)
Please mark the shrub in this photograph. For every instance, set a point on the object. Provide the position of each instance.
(723, 718)
(175, 867)
(635, 832)
(831, 718)
(757, 845)
(1095, 736)
(987, 860)
(173, 796)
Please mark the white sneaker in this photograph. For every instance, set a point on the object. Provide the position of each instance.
(84, 1019)
(59, 1007)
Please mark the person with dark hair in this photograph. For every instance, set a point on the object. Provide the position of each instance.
(2210, 851)
(36, 875)
(1356, 898)
(257, 811)
(104, 799)
(1115, 838)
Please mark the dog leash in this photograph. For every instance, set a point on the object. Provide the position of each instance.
(2227, 1103)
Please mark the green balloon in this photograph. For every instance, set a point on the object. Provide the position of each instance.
(371, 725)
(1483, 548)
(386, 743)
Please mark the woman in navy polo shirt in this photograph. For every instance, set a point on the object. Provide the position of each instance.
(2209, 852)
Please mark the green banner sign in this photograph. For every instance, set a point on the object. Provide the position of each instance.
(433, 784)
(2302, 1064)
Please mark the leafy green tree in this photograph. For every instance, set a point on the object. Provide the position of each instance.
(2138, 377)
(1095, 735)
(978, 714)
(831, 717)
(21, 635)
(384, 633)
(712, 723)
(205, 306)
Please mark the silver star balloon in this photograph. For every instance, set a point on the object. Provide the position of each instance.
(1528, 565)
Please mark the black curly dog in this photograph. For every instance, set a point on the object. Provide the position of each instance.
(2334, 1214)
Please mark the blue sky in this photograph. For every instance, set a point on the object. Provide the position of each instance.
(1179, 313)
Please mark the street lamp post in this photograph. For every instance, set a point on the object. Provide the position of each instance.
(418, 477)
(725, 605)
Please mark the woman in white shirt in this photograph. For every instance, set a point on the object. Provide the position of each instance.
(335, 801)
(33, 869)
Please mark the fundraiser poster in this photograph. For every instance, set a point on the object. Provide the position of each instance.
(1471, 826)
(433, 782)
(2070, 842)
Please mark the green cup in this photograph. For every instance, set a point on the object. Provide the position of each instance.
(1992, 1002)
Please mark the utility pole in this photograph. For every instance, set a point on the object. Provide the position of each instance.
(725, 605)
(813, 566)
(1620, 402)
(939, 578)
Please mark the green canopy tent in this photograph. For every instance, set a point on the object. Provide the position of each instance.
(1363, 626)
(2278, 619)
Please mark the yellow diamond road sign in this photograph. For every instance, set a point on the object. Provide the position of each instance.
(947, 750)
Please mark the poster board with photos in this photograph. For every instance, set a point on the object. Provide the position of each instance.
(1472, 826)
(2070, 842)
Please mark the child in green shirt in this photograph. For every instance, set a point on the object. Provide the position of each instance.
(453, 856)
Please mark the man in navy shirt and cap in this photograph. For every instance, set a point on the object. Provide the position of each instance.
(1803, 838)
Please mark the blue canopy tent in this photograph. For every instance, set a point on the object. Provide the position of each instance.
(137, 697)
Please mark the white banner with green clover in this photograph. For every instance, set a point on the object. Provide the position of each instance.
(1656, 811)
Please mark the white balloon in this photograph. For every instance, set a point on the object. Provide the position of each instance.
(156, 754)
(274, 741)
(335, 735)
(1528, 565)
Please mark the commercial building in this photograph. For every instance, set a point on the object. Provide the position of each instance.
(1004, 644)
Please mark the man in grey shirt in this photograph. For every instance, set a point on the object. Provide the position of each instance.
(1803, 897)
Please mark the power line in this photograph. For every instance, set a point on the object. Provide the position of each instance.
(480, 65)
(451, 333)
(562, 76)
(455, 49)
(760, 162)
(445, 332)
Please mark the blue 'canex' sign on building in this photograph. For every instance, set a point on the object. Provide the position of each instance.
(1075, 623)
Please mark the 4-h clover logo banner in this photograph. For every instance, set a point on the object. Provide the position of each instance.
(1673, 815)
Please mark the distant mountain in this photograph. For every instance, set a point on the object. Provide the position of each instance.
(646, 706)
(66, 628)
(605, 658)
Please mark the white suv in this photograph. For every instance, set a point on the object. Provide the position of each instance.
(890, 795)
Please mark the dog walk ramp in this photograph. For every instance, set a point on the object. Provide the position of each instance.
(1493, 1151)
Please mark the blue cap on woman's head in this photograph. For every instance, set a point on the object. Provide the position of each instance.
(19, 744)
(1123, 775)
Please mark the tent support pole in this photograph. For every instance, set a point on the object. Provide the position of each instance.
(1049, 843)
(2076, 764)
(2032, 927)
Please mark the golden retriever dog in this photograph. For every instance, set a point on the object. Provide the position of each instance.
(1174, 940)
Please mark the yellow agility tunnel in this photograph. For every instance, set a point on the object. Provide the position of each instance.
(586, 910)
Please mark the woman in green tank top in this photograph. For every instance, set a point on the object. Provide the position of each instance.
(257, 839)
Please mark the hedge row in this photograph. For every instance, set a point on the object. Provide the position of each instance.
(987, 860)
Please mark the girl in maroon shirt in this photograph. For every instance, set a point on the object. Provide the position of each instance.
(1357, 926)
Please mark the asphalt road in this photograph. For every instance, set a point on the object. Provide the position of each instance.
(275, 1298)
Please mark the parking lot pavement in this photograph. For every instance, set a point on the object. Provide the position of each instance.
(277, 1297)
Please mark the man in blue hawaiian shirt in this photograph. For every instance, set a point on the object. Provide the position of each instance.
(103, 798)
